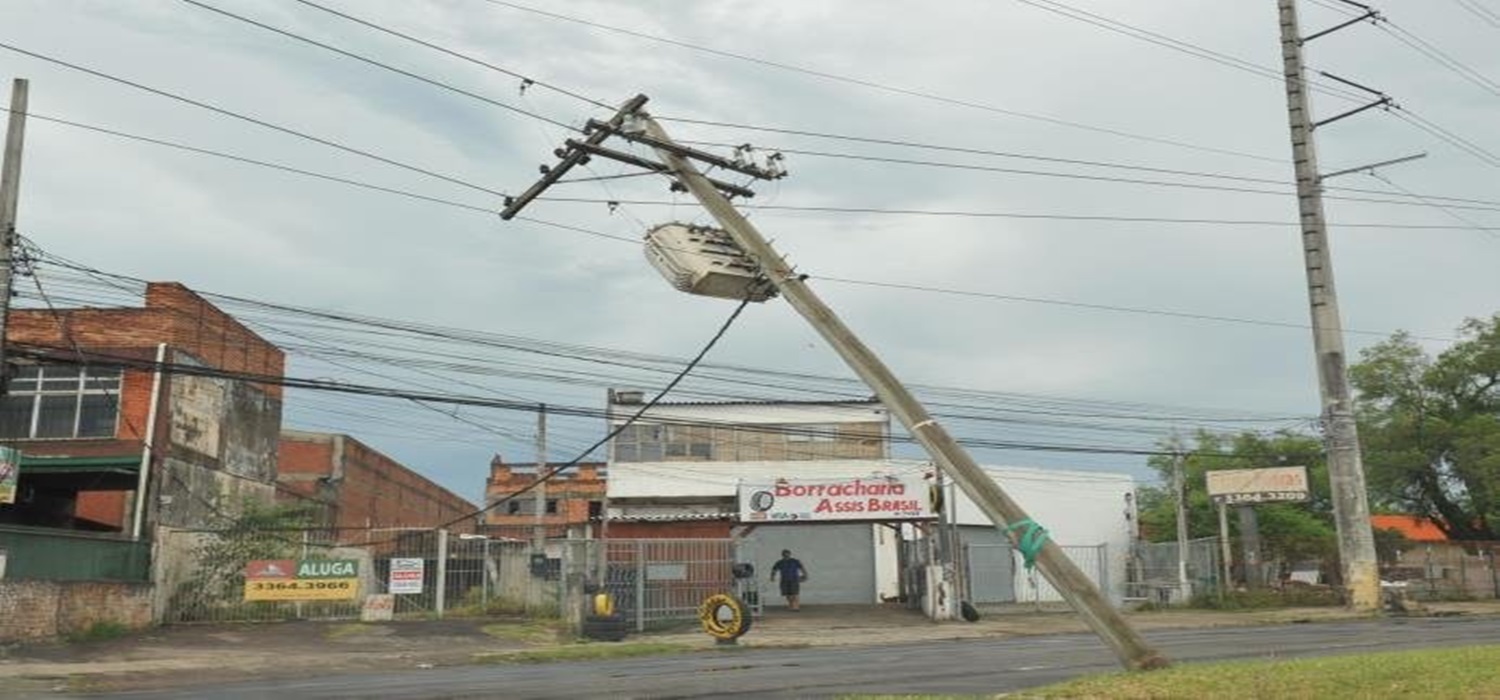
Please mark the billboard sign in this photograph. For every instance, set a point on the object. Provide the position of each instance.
(1251, 486)
(305, 579)
(864, 498)
(10, 473)
(406, 576)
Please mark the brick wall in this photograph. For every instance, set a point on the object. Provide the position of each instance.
(197, 333)
(33, 611)
(365, 487)
(573, 491)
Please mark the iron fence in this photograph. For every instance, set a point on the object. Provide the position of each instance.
(1152, 573)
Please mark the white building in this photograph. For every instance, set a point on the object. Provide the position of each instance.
(853, 559)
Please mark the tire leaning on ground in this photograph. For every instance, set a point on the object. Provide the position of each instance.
(968, 611)
(605, 628)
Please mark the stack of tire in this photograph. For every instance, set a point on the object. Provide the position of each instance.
(602, 622)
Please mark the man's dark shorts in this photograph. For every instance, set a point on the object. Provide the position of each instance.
(790, 586)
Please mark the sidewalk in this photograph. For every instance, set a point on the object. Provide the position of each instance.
(201, 653)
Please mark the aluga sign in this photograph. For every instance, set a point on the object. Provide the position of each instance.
(864, 498)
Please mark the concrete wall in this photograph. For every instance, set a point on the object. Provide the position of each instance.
(34, 611)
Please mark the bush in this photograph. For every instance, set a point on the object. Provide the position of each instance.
(1289, 597)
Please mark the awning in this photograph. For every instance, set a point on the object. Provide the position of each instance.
(108, 473)
(119, 464)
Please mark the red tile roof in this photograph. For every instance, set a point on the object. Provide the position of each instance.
(1414, 527)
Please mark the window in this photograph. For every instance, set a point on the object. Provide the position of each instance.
(639, 443)
(48, 401)
(813, 432)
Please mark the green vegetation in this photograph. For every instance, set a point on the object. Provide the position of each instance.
(527, 631)
(1290, 597)
(585, 651)
(1430, 426)
(260, 531)
(103, 630)
(474, 605)
(1465, 672)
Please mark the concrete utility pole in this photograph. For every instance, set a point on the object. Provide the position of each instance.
(1075, 587)
(1351, 510)
(10, 195)
(539, 494)
(1179, 490)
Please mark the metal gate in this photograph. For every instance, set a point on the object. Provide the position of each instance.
(992, 573)
(659, 580)
(1093, 561)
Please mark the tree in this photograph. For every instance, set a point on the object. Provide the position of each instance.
(1430, 428)
(1289, 531)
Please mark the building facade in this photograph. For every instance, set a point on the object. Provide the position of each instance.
(573, 501)
(89, 413)
(746, 431)
(351, 485)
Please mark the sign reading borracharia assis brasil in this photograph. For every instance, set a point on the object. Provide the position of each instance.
(904, 497)
(304, 579)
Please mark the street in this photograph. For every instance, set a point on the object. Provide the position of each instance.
(958, 666)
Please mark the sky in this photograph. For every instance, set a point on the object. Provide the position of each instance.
(1027, 334)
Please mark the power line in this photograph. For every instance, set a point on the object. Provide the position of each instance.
(350, 54)
(1178, 45)
(884, 87)
(1442, 58)
(1013, 155)
(252, 120)
(1100, 307)
(612, 357)
(262, 163)
(1485, 14)
(1424, 200)
(526, 81)
(959, 213)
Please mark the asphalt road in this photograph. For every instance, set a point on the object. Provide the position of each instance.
(959, 667)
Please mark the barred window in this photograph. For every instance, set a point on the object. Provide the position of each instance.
(61, 401)
(656, 443)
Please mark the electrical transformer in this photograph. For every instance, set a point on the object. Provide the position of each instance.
(705, 261)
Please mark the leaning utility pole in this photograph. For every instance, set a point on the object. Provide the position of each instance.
(10, 195)
(677, 162)
(1346, 474)
(1064, 575)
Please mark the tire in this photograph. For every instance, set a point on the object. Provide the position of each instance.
(968, 611)
(605, 628)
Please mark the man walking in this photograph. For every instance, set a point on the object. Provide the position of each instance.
(792, 575)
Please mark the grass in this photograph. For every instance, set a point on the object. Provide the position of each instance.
(103, 630)
(527, 631)
(585, 651)
(352, 629)
(1463, 672)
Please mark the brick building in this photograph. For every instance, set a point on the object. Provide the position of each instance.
(573, 500)
(355, 486)
(80, 409)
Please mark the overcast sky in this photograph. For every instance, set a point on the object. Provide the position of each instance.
(155, 213)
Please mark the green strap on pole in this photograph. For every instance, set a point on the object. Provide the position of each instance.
(1031, 540)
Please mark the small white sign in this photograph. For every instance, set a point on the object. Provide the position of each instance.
(406, 575)
(378, 607)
